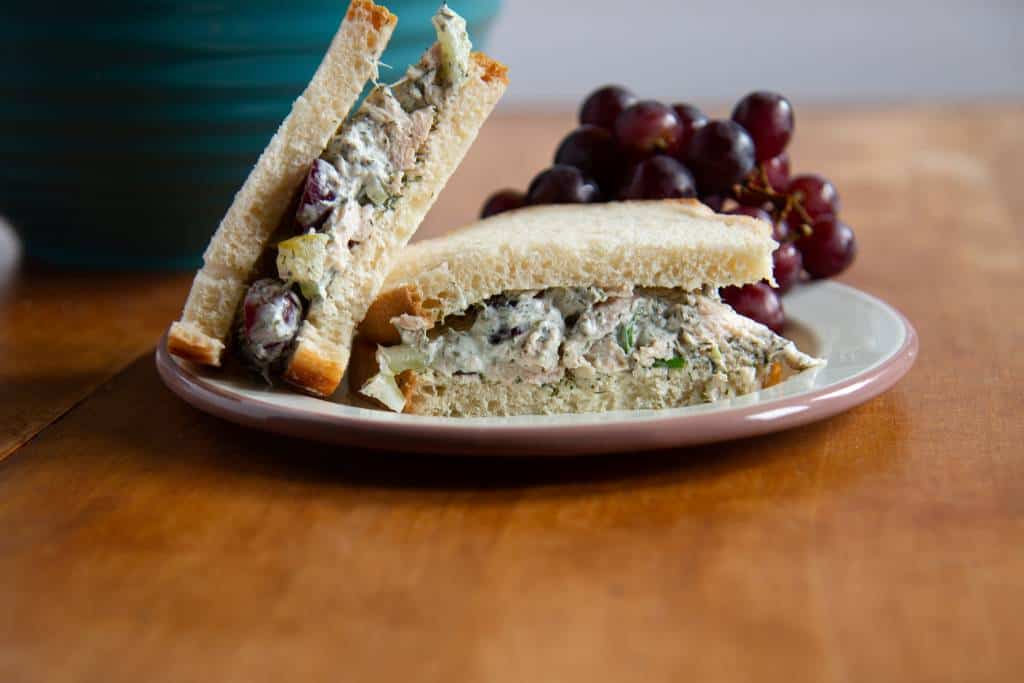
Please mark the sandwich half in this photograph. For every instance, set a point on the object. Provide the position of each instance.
(568, 309)
(309, 238)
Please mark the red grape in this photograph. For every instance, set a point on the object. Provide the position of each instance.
(713, 201)
(591, 149)
(768, 117)
(787, 264)
(691, 118)
(720, 155)
(816, 194)
(747, 197)
(781, 230)
(777, 171)
(648, 127)
(319, 195)
(752, 211)
(271, 315)
(604, 105)
(659, 177)
(757, 301)
(562, 184)
(504, 200)
(829, 249)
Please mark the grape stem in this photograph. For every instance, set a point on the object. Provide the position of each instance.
(784, 204)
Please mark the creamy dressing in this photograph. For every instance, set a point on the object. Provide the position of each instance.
(578, 333)
(510, 340)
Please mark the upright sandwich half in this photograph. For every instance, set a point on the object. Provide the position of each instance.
(309, 238)
(573, 308)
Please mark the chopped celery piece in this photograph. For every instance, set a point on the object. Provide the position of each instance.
(302, 260)
(384, 388)
(375, 191)
(455, 46)
(398, 359)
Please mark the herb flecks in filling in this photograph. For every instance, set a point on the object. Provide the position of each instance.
(543, 337)
(363, 171)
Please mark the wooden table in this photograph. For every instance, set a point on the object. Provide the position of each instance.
(143, 540)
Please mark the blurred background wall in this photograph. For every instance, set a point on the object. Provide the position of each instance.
(195, 88)
(817, 50)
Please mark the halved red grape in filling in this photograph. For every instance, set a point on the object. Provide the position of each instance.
(271, 315)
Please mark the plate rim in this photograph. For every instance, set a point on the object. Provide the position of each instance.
(471, 436)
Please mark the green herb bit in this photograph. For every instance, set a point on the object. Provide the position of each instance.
(673, 363)
(627, 337)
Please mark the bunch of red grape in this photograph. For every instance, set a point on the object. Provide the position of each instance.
(630, 149)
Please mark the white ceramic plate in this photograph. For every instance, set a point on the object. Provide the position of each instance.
(869, 347)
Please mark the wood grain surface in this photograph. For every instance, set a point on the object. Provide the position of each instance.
(65, 333)
(144, 540)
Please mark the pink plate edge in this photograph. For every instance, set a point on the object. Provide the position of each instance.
(672, 431)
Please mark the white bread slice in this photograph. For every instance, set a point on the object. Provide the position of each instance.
(428, 393)
(678, 243)
(324, 341)
(259, 207)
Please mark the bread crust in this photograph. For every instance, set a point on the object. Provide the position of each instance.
(313, 371)
(493, 70)
(376, 326)
(377, 16)
(194, 346)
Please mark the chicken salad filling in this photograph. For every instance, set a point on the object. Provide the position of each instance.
(361, 173)
(542, 337)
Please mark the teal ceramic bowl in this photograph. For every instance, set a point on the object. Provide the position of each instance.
(126, 127)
